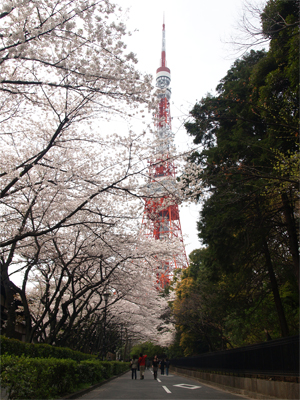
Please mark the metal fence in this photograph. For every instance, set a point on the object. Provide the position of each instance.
(276, 357)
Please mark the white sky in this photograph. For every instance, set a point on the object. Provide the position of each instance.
(196, 52)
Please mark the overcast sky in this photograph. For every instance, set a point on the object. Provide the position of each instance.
(198, 54)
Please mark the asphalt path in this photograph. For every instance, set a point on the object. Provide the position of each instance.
(164, 388)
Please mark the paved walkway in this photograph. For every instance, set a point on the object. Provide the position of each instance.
(165, 387)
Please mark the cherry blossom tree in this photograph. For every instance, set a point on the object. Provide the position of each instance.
(70, 190)
(72, 274)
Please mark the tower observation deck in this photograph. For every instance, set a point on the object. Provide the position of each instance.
(161, 219)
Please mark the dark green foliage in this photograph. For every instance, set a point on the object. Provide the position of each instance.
(38, 378)
(243, 286)
(43, 378)
(148, 348)
(17, 348)
(278, 16)
(175, 350)
(33, 371)
(226, 310)
(94, 371)
(108, 369)
(91, 371)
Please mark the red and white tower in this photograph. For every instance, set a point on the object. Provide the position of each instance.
(161, 219)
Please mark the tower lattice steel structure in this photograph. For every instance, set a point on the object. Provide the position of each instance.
(161, 219)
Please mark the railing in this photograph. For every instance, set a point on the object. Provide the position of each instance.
(276, 357)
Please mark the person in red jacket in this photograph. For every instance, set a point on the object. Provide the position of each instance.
(142, 364)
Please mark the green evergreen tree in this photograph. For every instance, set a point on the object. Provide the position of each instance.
(249, 164)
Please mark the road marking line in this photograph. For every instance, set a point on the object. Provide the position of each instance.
(166, 389)
(158, 380)
(187, 386)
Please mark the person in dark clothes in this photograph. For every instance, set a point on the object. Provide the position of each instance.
(167, 366)
(162, 366)
(155, 366)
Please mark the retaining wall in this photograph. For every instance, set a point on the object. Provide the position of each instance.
(253, 387)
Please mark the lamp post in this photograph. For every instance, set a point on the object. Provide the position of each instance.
(105, 295)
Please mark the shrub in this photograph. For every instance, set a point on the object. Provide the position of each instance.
(108, 369)
(43, 378)
(38, 378)
(91, 371)
(41, 371)
(119, 367)
(17, 348)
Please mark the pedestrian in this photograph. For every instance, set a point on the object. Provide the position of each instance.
(155, 366)
(142, 364)
(167, 366)
(134, 364)
(162, 367)
(148, 364)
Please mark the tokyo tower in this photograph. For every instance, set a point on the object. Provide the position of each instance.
(161, 219)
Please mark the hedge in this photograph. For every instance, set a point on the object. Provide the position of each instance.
(44, 378)
(37, 378)
(18, 348)
(41, 371)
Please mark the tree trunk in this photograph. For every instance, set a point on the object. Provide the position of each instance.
(10, 304)
(10, 331)
(126, 344)
(209, 342)
(292, 232)
(279, 307)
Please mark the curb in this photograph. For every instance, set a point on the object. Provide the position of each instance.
(76, 395)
